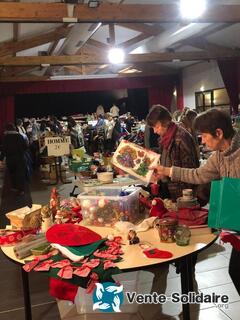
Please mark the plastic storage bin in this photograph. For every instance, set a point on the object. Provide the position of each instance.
(105, 206)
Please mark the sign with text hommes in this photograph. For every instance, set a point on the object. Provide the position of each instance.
(58, 146)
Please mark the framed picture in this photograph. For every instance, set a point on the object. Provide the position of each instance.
(135, 160)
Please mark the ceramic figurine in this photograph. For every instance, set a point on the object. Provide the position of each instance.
(54, 202)
(132, 237)
(46, 218)
(59, 217)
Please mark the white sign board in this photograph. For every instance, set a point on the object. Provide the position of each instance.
(58, 146)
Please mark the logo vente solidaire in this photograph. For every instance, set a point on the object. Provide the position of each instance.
(108, 297)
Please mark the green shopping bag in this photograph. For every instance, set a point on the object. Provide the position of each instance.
(224, 210)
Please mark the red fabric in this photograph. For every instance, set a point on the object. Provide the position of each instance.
(157, 254)
(11, 237)
(145, 201)
(161, 94)
(67, 234)
(232, 238)
(158, 209)
(154, 189)
(92, 282)
(164, 83)
(189, 216)
(62, 290)
(167, 137)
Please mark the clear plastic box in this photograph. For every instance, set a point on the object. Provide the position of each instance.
(104, 206)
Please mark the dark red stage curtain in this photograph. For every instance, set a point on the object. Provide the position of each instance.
(161, 95)
(229, 73)
(56, 86)
(6, 111)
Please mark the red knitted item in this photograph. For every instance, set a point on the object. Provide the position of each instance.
(67, 234)
(167, 137)
(62, 290)
(156, 253)
(232, 238)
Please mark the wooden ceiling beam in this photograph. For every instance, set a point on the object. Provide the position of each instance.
(104, 47)
(44, 78)
(29, 78)
(75, 69)
(112, 35)
(52, 47)
(97, 44)
(151, 30)
(213, 28)
(11, 47)
(112, 13)
(97, 59)
(14, 71)
(202, 43)
(133, 41)
(83, 69)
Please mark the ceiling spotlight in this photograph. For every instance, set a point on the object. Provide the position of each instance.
(93, 3)
(192, 9)
(116, 55)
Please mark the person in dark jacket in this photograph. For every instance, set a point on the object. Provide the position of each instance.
(177, 147)
(151, 139)
(13, 150)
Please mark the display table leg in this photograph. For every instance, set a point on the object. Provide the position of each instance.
(72, 194)
(186, 283)
(26, 295)
(60, 177)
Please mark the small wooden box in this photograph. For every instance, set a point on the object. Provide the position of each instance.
(21, 218)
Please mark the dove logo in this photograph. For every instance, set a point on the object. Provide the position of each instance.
(107, 297)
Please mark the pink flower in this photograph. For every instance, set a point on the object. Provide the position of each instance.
(82, 271)
(44, 266)
(108, 264)
(61, 264)
(66, 272)
(93, 263)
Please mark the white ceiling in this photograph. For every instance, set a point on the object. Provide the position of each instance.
(171, 37)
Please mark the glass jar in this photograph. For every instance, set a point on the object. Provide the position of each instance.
(166, 228)
(182, 235)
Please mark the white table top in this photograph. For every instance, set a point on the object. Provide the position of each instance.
(133, 256)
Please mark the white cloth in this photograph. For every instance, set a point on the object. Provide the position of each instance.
(114, 111)
(100, 110)
(67, 253)
(125, 226)
(109, 129)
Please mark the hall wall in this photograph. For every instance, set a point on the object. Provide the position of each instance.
(206, 74)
